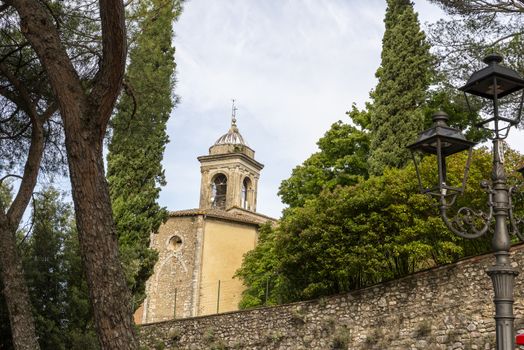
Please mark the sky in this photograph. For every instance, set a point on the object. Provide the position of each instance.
(294, 68)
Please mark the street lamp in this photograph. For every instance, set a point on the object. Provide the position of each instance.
(493, 83)
(442, 141)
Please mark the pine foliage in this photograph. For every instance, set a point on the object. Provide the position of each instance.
(474, 29)
(56, 280)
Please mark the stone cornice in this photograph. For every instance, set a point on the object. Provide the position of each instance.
(231, 156)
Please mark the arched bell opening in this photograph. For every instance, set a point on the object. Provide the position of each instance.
(219, 191)
(247, 192)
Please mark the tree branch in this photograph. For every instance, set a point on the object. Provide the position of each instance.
(511, 35)
(51, 109)
(131, 93)
(32, 222)
(16, 135)
(8, 176)
(15, 50)
(108, 80)
(30, 107)
(32, 165)
(8, 94)
(37, 25)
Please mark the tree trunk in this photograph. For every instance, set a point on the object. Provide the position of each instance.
(108, 291)
(85, 113)
(15, 290)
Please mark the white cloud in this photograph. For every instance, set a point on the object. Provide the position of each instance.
(294, 66)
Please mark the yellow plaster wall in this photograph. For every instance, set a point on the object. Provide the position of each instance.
(225, 244)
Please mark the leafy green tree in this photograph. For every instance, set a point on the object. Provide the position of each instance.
(344, 149)
(452, 101)
(258, 271)
(404, 76)
(345, 230)
(138, 141)
(353, 236)
(341, 160)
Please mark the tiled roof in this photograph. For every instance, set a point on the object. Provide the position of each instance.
(249, 218)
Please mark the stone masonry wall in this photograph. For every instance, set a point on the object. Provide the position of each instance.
(174, 283)
(448, 307)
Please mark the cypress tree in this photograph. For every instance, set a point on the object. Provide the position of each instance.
(403, 79)
(139, 136)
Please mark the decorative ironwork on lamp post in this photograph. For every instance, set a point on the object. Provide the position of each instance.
(493, 83)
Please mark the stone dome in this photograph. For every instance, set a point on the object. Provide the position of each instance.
(232, 137)
(231, 142)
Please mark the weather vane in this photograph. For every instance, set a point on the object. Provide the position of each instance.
(233, 113)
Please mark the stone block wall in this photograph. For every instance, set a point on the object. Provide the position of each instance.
(174, 283)
(448, 307)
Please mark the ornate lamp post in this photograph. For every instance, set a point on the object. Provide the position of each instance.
(492, 83)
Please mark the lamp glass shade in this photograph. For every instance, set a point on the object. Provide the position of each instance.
(451, 139)
(442, 141)
(493, 81)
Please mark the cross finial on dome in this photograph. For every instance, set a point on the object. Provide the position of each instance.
(234, 114)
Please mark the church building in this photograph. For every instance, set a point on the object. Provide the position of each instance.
(200, 249)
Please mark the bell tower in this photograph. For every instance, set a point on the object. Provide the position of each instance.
(230, 172)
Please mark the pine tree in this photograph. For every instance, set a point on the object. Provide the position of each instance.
(474, 29)
(56, 277)
(403, 79)
(138, 141)
(44, 269)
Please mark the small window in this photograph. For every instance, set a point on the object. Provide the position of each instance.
(175, 243)
(219, 191)
(245, 195)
